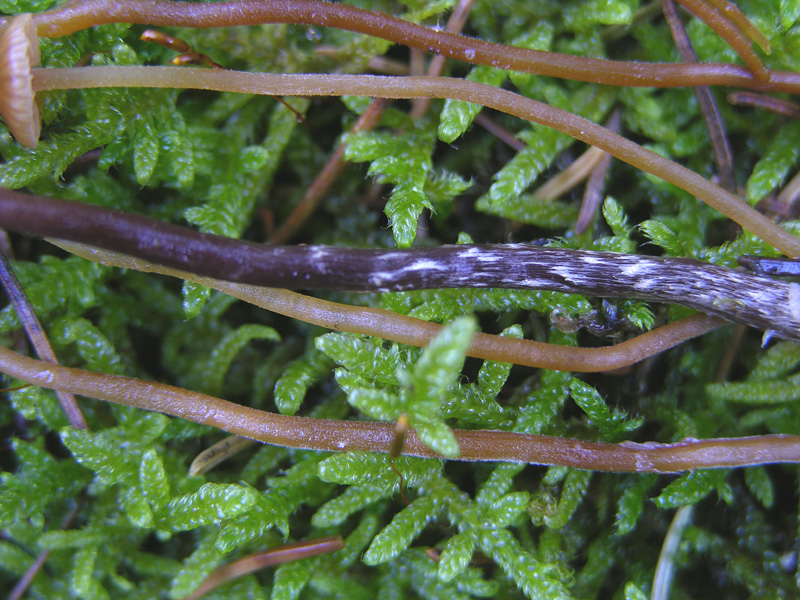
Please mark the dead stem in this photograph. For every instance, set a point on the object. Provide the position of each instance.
(738, 18)
(776, 105)
(327, 176)
(38, 337)
(268, 558)
(740, 297)
(708, 106)
(728, 31)
(458, 18)
(593, 193)
(27, 578)
(362, 436)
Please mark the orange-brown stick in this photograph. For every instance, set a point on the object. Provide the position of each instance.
(350, 436)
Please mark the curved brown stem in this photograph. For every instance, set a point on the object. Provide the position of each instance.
(738, 18)
(38, 337)
(716, 130)
(776, 105)
(355, 436)
(75, 16)
(327, 176)
(268, 558)
(728, 31)
(415, 332)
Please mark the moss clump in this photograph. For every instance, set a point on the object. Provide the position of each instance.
(236, 165)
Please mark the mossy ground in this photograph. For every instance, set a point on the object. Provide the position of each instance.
(233, 164)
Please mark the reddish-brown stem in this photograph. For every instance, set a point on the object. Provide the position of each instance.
(593, 194)
(363, 436)
(38, 337)
(708, 106)
(728, 31)
(501, 133)
(327, 176)
(776, 105)
(738, 18)
(268, 558)
(75, 16)
(420, 87)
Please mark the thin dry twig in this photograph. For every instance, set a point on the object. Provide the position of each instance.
(708, 106)
(38, 337)
(268, 558)
(776, 105)
(415, 332)
(363, 436)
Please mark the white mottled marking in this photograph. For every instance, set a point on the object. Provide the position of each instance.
(592, 260)
(794, 300)
(635, 269)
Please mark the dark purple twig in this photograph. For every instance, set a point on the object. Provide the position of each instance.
(741, 297)
(593, 194)
(38, 337)
(708, 106)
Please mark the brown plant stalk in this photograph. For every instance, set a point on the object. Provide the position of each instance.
(268, 558)
(363, 436)
(38, 337)
(74, 16)
(708, 106)
(730, 32)
(389, 87)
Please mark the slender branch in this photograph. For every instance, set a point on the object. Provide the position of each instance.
(416, 332)
(268, 558)
(708, 106)
(776, 105)
(593, 193)
(27, 578)
(729, 32)
(420, 87)
(355, 436)
(455, 23)
(327, 176)
(38, 337)
(738, 18)
(75, 16)
(741, 297)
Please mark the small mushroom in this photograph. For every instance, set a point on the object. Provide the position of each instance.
(19, 51)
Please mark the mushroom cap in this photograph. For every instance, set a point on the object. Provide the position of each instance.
(19, 51)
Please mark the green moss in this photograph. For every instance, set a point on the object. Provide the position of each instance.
(235, 164)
